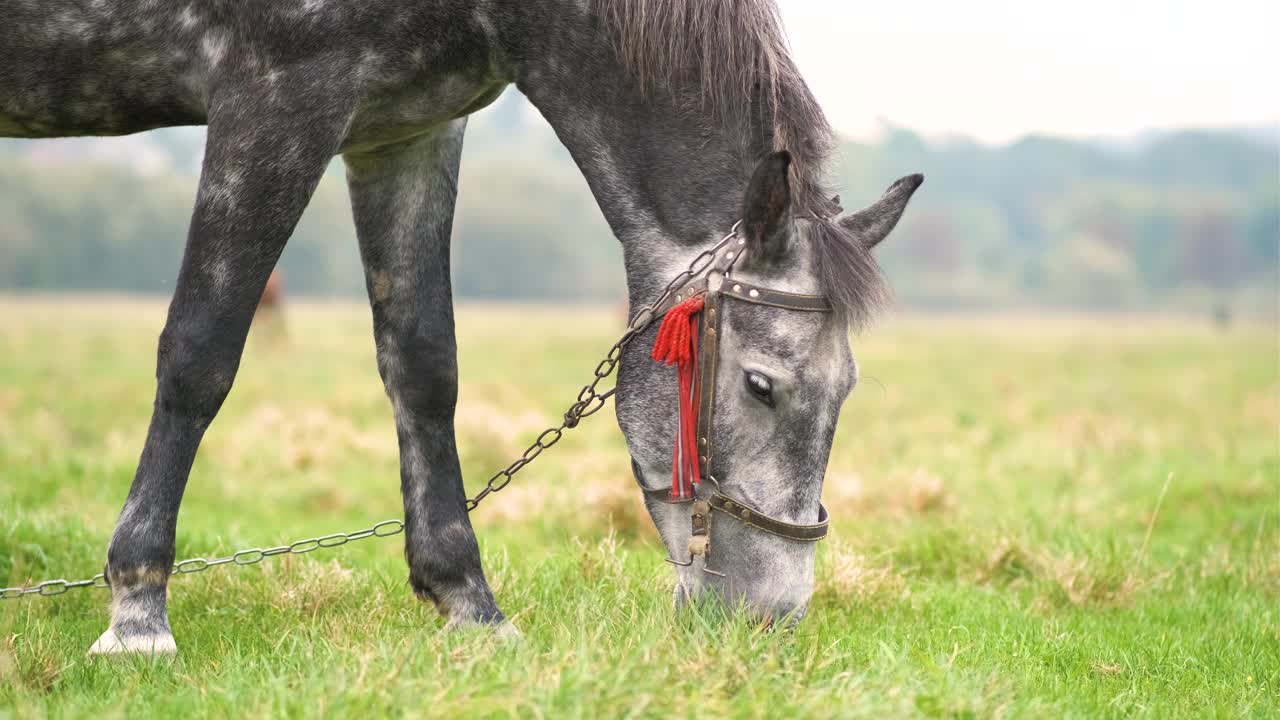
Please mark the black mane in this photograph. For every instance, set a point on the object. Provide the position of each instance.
(734, 55)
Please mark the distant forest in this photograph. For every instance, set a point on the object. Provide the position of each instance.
(1187, 219)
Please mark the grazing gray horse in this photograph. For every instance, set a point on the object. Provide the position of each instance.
(669, 107)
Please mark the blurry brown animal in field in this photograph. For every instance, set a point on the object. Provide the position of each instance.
(268, 320)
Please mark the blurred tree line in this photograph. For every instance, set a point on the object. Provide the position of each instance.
(1180, 218)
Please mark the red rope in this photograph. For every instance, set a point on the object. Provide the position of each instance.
(677, 344)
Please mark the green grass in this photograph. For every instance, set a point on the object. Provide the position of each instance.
(1033, 517)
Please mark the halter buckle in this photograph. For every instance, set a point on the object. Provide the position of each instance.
(715, 280)
(700, 538)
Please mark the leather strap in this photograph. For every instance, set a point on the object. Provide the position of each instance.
(695, 286)
(709, 278)
(714, 284)
(708, 370)
(663, 495)
(746, 292)
(715, 280)
(746, 514)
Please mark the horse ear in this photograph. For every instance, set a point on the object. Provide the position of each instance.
(767, 208)
(873, 224)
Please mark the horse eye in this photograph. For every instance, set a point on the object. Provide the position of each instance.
(761, 387)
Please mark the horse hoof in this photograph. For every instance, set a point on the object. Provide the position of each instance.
(504, 630)
(508, 632)
(147, 645)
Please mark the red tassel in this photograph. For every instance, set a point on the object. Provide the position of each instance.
(677, 344)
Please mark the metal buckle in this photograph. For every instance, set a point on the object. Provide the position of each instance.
(700, 537)
(704, 568)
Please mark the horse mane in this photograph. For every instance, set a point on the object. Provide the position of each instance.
(734, 56)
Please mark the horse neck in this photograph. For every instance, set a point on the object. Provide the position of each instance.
(668, 178)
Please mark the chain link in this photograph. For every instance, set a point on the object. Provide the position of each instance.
(589, 401)
(251, 556)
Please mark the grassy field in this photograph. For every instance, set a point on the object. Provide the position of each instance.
(1032, 518)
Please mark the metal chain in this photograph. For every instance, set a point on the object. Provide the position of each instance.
(252, 556)
(590, 399)
(589, 402)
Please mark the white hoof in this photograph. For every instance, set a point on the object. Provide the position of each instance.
(503, 631)
(112, 644)
(507, 631)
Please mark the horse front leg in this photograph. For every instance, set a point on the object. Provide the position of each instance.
(403, 199)
(260, 168)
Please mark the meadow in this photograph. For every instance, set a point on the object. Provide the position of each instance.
(1034, 516)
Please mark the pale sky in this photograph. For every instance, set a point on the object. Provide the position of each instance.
(998, 69)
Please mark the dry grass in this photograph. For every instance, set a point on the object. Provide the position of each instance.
(854, 576)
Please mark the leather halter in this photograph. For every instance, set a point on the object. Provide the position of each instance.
(716, 286)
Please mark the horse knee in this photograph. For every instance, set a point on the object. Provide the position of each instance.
(194, 372)
(419, 376)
